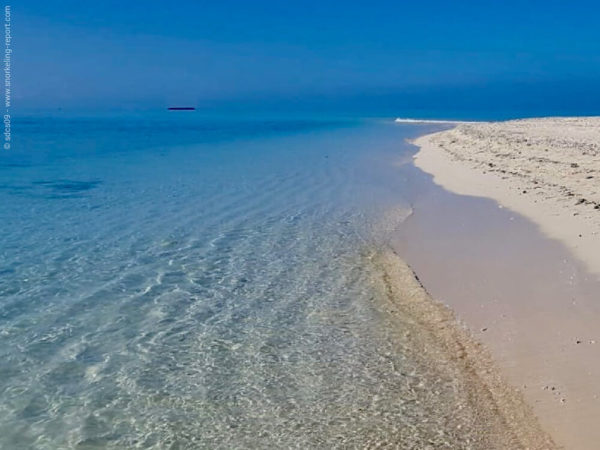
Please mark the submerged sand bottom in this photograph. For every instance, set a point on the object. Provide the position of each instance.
(488, 413)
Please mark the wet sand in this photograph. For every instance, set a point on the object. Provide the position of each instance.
(529, 298)
(499, 417)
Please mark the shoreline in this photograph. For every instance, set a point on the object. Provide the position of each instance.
(527, 255)
(507, 420)
(474, 167)
(432, 121)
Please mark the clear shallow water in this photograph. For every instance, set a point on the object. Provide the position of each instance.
(188, 283)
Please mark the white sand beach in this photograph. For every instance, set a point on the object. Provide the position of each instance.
(544, 320)
(545, 169)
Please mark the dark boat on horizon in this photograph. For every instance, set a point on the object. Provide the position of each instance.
(181, 108)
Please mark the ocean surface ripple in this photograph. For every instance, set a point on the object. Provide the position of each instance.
(204, 285)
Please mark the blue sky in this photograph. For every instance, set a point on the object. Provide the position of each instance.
(147, 54)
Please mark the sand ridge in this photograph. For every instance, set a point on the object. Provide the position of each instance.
(505, 420)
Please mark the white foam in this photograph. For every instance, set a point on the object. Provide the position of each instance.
(402, 120)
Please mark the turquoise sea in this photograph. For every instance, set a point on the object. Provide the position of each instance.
(175, 281)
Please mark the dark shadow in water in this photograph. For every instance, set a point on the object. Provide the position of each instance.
(68, 186)
(59, 189)
(52, 189)
(15, 165)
